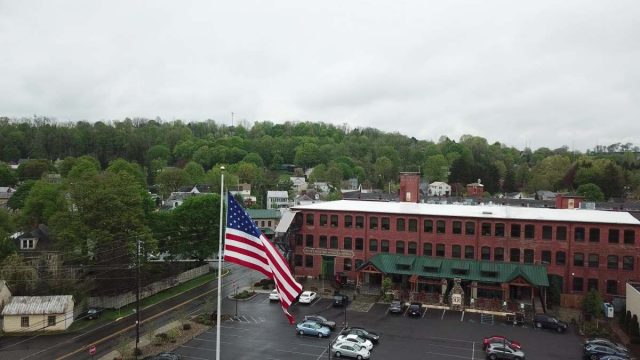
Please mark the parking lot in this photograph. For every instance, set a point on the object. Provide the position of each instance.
(262, 332)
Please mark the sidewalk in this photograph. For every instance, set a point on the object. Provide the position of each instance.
(144, 340)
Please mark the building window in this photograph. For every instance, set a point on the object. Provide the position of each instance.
(373, 223)
(298, 239)
(400, 247)
(547, 232)
(561, 233)
(348, 221)
(297, 260)
(413, 248)
(627, 263)
(310, 219)
(578, 283)
(498, 254)
(309, 241)
(594, 260)
(427, 249)
(578, 234)
(594, 235)
(399, 224)
(469, 228)
(333, 242)
(359, 243)
(592, 284)
(629, 236)
(359, 263)
(578, 259)
(485, 229)
(323, 220)
(334, 220)
(499, 230)
(269, 223)
(528, 256)
(614, 236)
(514, 255)
(515, 230)
(440, 250)
(441, 227)
(428, 226)
(485, 253)
(612, 287)
(545, 257)
(457, 227)
(373, 245)
(468, 252)
(308, 261)
(323, 242)
(612, 262)
(359, 222)
(456, 251)
(529, 231)
(348, 243)
(561, 258)
(347, 264)
(24, 321)
(413, 225)
(384, 246)
(385, 223)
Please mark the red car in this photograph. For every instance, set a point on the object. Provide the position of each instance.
(502, 340)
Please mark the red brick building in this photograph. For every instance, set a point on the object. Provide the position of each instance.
(581, 249)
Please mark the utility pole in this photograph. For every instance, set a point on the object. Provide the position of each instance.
(137, 294)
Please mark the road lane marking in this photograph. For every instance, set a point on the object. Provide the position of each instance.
(473, 351)
(462, 316)
(425, 312)
(443, 311)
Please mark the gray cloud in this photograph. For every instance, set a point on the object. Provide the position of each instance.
(538, 74)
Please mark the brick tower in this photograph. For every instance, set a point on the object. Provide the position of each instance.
(410, 187)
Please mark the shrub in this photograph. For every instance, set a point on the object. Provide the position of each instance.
(634, 330)
(592, 329)
(186, 326)
(137, 352)
(627, 321)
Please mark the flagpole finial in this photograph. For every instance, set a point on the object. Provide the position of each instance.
(222, 167)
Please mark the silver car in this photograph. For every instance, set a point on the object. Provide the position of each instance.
(350, 349)
(500, 351)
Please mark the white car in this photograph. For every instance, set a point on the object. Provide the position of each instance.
(307, 297)
(274, 296)
(355, 339)
(350, 349)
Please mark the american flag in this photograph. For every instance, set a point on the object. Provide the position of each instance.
(246, 245)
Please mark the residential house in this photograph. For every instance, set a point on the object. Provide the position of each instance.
(266, 219)
(306, 199)
(277, 199)
(5, 193)
(36, 247)
(322, 187)
(299, 183)
(439, 188)
(545, 195)
(38, 313)
(244, 190)
(178, 197)
(475, 189)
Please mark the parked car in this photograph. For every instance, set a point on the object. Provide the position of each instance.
(321, 320)
(94, 313)
(164, 356)
(340, 300)
(606, 342)
(312, 328)
(274, 296)
(498, 339)
(307, 297)
(397, 307)
(499, 351)
(614, 357)
(363, 333)
(415, 310)
(549, 322)
(593, 352)
(355, 339)
(340, 349)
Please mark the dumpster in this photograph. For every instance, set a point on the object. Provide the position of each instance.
(608, 310)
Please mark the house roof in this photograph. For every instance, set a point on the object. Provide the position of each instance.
(472, 270)
(30, 305)
(276, 193)
(476, 211)
(263, 213)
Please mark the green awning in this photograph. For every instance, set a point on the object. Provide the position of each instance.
(406, 261)
(488, 267)
(267, 231)
(460, 266)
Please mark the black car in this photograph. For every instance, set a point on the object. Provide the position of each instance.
(396, 307)
(593, 352)
(607, 343)
(415, 310)
(94, 313)
(549, 322)
(321, 320)
(363, 333)
(340, 300)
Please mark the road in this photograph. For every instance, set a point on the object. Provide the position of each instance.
(106, 336)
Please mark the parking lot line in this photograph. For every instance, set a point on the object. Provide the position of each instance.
(445, 346)
(443, 311)
(462, 316)
(425, 312)
(315, 301)
(295, 352)
(447, 355)
(473, 351)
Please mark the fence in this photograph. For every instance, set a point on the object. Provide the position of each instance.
(118, 301)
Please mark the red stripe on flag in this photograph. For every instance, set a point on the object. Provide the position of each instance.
(249, 265)
(239, 250)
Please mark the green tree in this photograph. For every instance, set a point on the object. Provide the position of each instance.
(43, 201)
(591, 192)
(195, 172)
(307, 155)
(7, 178)
(171, 179)
(197, 234)
(33, 169)
(16, 201)
(592, 304)
(436, 168)
(158, 152)
(255, 159)
(133, 169)
(548, 173)
(7, 246)
(247, 172)
(21, 276)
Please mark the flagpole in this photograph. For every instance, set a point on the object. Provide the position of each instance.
(220, 264)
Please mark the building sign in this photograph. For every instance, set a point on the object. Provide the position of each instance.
(328, 252)
(456, 299)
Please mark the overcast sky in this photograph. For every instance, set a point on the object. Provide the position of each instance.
(549, 73)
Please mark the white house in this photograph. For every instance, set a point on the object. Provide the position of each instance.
(439, 188)
(299, 183)
(277, 199)
(38, 313)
